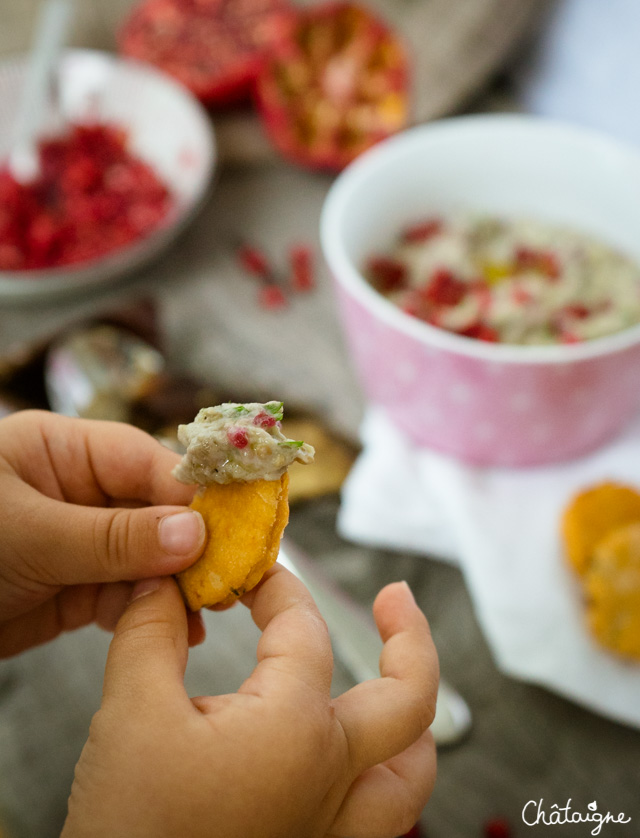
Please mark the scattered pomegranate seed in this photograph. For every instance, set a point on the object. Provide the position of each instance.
(444, 288)
(238, 437)
(497, 828)
(301, 259)
(413, 833)
(387, 274)
(253, 260)
(272, 296)
(422, 231)
(264, 420)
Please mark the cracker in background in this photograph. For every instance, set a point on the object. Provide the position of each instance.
(612, 587)
(334, 459)
(592, 514)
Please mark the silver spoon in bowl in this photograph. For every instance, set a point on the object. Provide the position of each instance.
(38, 89)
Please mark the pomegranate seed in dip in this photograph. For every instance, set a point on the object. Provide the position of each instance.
(515, 281)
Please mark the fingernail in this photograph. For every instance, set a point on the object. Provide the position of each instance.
(144, 587)
(181, 533)
(408, 591)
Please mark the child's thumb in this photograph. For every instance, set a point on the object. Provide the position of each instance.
(148, 654)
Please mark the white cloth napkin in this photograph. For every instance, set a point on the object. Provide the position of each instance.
(501, 526)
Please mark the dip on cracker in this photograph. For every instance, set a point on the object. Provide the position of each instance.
(238, 442)
(238, 457)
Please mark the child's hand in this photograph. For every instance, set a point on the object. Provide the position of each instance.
(76, 526)
(278, 759)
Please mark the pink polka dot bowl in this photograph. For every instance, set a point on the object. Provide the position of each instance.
(486, 403)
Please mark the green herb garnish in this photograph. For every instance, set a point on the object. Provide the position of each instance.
(275, 409)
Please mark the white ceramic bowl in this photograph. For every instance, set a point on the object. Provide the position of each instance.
(168, 128)
(486, 403)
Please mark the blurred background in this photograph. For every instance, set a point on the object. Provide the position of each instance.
(232, 301)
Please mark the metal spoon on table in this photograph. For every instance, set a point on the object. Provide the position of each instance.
(51, 31)
(357, 644)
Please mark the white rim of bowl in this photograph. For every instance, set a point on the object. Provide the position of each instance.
(347, 274)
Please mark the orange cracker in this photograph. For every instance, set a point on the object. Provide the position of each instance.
(238, 456)
(244, 522)
(592, 514)
(612, 587)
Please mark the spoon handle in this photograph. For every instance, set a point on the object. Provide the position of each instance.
(51, 30)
